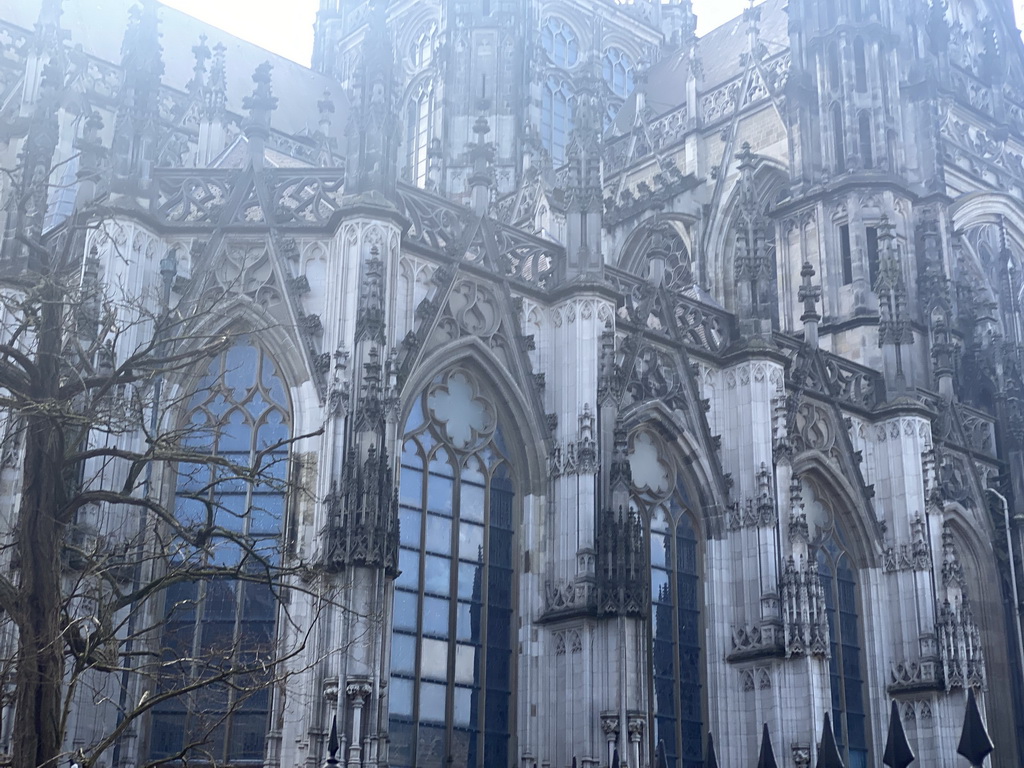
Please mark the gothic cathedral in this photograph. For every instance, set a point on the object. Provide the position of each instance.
(653, 387)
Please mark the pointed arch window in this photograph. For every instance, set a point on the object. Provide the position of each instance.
(617, 68)
(418, 134)
(452, 640)
(560, 42)
(677, 699)
(240, 415)
(838, 575)
(556, 118)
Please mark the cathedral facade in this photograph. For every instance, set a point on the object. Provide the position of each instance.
(655, 385)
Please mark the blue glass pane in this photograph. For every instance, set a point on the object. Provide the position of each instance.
(409, 527)
(439, 535)
(439, 494)
(435, 616)
(437, 575)
(240, 369)
(409, 565)
(410, 487)
(403, 653)
(406, 610)
(470, 581)
(401, 697)
(432, 703)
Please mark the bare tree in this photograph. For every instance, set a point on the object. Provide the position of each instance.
(133, 515)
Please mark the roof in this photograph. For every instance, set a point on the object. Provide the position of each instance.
(98, 27)
(718, 52)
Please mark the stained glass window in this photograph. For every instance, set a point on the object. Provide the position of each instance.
(676, 649)
(451, 650)
(240, 415)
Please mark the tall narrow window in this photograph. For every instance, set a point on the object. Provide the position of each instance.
(839, 581)
(834, 71)
(452, 642)
(860, 66)
(240, 415)
(845, 254)
(867, 159)
(556, 118)
(418, 135)
(871, 237)
(838, 138)
(676, 654)
(838, 576)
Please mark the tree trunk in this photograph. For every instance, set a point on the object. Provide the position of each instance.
(40, 536)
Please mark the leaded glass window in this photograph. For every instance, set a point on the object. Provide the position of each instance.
(420, 113)
(452, 640)
(676, 649)
(618, 72)
(556, 118)
(560, 43)
(240, 415)
(838, 576)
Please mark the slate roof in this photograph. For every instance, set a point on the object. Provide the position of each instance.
(98, 26)
(719, 52)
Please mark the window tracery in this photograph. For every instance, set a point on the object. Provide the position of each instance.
(677, 700)
(419, 118)
(240, 414)
(617, 68)
(838, 576)
(556, 117)
(560, 42)
(452, 653)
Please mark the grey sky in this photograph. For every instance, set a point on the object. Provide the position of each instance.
(286, 28)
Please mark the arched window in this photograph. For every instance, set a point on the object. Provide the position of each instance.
(421, 50)
(240, 415)
(421, 108)
(560, 43)
(617, 68)
(452, 642)
(867, 159)
(556, 118)
(677, 697)
(838, 576)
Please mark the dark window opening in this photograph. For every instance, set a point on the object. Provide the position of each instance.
(864, 132)
(872, 249)
(845, 253)
(838, 138)
(860, 66)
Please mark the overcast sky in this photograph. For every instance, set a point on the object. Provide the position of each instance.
(291, 34)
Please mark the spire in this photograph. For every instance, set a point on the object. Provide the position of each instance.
(710, 758)
(137, 119)
(216, 95)
(372, 131)
(828, 752)
(891, 289)
(809, 294)
(766, 759)
(752, 265)
(260, 104)
(325, 109)
(482, 179)
(36, 161)
(584, 191)
(196, 87)
(48, 47)
(898, 753)
(974, 744)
